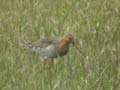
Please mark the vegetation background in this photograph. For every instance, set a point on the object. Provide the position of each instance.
(96, 28)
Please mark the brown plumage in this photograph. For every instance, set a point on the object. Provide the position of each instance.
(51, 47)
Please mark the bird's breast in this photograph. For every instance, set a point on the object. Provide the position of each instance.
(62, 51)
(51, 51)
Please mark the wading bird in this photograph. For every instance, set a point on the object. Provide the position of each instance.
(51, 47)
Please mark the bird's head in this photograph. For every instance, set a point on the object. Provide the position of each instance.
(69, 38)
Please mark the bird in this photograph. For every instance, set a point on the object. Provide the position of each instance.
(51, 47)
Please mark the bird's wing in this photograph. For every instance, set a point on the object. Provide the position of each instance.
(42, 43)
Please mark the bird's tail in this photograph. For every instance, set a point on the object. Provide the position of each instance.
(25, 44)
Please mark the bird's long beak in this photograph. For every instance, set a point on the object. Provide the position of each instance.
(78, 50)
(73, 43)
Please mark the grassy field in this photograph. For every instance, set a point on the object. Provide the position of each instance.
(96, 28)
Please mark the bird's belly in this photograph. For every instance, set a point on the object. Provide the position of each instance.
(50, 51)
(47, 52)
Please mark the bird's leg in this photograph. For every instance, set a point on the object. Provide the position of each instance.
(52, 60)
(45, 61)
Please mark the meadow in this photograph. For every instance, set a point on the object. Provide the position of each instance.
(95, 65)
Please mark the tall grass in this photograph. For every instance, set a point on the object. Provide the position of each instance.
(96, 28)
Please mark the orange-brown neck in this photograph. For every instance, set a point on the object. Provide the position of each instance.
(63, 43)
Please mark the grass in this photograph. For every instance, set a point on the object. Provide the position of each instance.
(96, 27)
